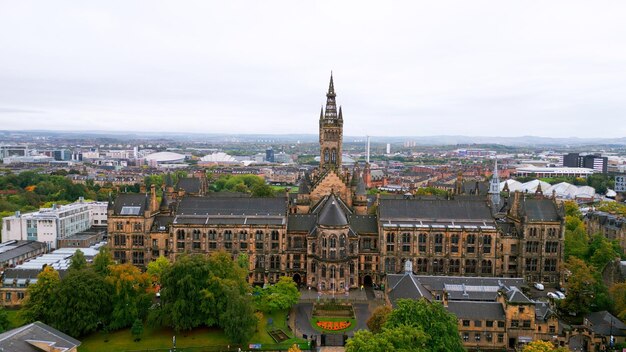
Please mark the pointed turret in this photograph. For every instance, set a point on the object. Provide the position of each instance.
(164, 206)
(494, 188)
(332, 214)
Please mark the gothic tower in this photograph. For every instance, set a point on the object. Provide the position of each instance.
(331, 131)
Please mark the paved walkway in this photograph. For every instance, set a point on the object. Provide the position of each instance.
(332, 349)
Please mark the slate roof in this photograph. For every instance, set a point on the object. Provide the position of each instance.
(540, 209)
(162, 222)
(516, 296)
(189, 184)
(15, 249)
(360, 187)
(130, 200)
(605, 323)
(24, 338)
(301, 222)
(362, 224)
(332, 214)
(464, 209)
(192, 205)
(406, 286)
(477, 310)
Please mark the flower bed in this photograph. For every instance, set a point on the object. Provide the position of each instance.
(333, 325)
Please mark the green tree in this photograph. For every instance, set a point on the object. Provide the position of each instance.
(431, 317)
(103, 261)
(181, 292)
(137, 330)
(157, 268)
(403, 338)
(585, 290)
(378, 319)
(78, 261)
(40, 296)
(238, 320)
(4, 320)
(262, 190)
(618, 295)
(576, 238)
(131, 294)
(601, 251)
(282, 295)
(82, 303)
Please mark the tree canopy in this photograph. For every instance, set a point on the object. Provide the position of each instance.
(212, 291)
(37, 305)
(282, 295)
(438, 325)
(543, 346)
(405, 338)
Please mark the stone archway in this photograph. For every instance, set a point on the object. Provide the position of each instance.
(367, 281)
(579, 342)
(297, 279)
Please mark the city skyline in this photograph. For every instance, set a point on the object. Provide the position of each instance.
(451, 68)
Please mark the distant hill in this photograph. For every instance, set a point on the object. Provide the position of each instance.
(313, 138)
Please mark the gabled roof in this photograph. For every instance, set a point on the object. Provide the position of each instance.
(540, 209)
(332, 214)
(189, 184)
(301, 222)
(362, 224)
(406, 286)
(130, 204)
(514, 295)
(29, 337)
(605, 323)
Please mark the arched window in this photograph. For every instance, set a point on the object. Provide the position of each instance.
(323, 270)
(313, 248)
(422, 265)
(342, 241)
(326, 155)
(334, 156)
(313, 266)
(406, 242)
(421, 241)
(455, 266)
(333, 242)
(470, 266)
(486, 266)
(341, 273)
(438, 265)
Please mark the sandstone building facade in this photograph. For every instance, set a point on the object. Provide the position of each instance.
(333, 236)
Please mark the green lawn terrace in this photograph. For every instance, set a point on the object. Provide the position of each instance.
(199, 339)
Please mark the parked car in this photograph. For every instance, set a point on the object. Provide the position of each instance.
(539, 286)
(560, 294)
(553, 295)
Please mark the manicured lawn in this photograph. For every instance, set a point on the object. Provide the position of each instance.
(314, 321)
(122, 340)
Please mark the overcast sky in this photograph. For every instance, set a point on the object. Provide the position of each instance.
(478, 68)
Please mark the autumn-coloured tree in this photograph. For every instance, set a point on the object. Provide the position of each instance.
(543, 346)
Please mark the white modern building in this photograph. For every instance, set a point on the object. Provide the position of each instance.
(49, 225)
(540, 172)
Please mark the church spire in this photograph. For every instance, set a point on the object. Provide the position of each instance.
(494, 186)
(331, 86)
(331, 105)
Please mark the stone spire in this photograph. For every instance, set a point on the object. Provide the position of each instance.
(494, 187)
(330, 115)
